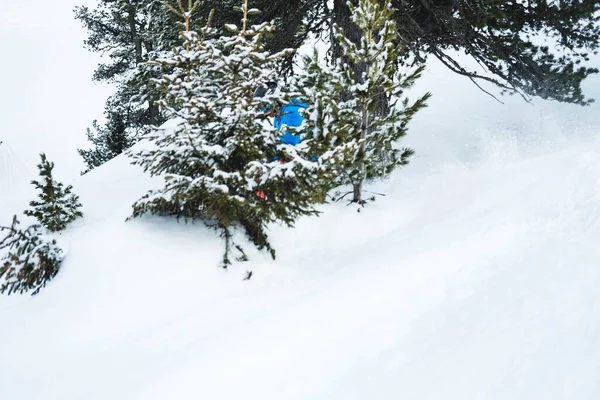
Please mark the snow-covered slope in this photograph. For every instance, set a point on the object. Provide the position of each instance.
(476, 277)
(13, 172)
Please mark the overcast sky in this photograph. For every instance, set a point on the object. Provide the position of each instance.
(47, 98)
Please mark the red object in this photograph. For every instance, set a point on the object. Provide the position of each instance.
(261, 194)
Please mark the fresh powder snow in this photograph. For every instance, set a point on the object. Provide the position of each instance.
(475, 277)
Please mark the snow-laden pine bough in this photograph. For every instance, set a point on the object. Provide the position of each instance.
(224, 150)
(226, 164)
(30, 259)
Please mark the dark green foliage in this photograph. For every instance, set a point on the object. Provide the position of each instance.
(222, 151)
(57, 205)
(293, 21)
(126, 32)
(119, 30)
(125, 121)
(130, 32)
(109, 141)
(504, 38)
(30, 261)
(358, 142)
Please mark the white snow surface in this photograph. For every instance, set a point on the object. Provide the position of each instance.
(475, 277)
(15, 174)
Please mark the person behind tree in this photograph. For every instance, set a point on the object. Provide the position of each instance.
(287, 116)
(290, 116)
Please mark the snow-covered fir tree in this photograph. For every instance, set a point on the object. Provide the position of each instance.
(125, 33)
(31, 260)
(220, 163)
(57, 205)
(124, 123)
(342, 101)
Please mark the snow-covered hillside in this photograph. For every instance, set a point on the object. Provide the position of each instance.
(14, 173)
(476, 277)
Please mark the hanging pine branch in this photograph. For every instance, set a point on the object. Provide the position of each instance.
(31, 260)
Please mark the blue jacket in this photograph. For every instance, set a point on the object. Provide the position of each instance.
(290, 116)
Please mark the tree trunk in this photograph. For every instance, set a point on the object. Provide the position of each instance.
(364, 131)
(153, 110)
(137, 41)
(139, 45)
(342, 17)
(357, 192)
